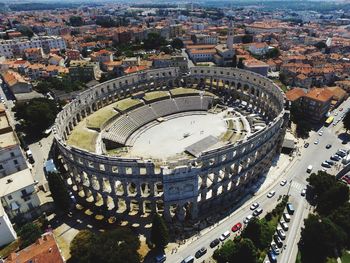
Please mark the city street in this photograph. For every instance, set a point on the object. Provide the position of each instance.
(296, 176)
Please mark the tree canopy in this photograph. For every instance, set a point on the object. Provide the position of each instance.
(154, 41)
(177, 43)
(113, 246)
(29, 233)
(59, 191)
(37, 114)
(346, 121)
(76, 21)
(159, 232)
(258, 232)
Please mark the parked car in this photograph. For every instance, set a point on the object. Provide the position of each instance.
(257, 211)
(335, 158)
(254, 206)
(224, 235)
(320, 132)
(283, 182)
(236, 227)
(325, 164)
(271, 194)
(303, 192)
(200, 252)
(316, 142)
(281, 233)
(272, 257)
(278, 241)
(330, 162)
(328, 146)
(214, 243)
(306, 145)
(284, 225)
(275, 248)
(247, 219)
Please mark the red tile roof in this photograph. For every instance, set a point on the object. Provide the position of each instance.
(294, 94)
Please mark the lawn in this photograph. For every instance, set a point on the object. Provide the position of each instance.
(281, 85)
(153, 95)
(83, 138)
(98, 118)
(345, 257)
(126, 104)
(181, 91)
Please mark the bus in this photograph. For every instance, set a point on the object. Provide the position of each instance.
(329, 120)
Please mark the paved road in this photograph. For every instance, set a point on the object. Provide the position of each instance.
(296, 176)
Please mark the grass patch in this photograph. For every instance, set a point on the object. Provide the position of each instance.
(126, 104)
(230, 124)
(227, 136)
(153, 95)
(280, 84)
(331, 260)
(298, 259)
(83, 138)
(7, 250)
(98, 118)
(345, 258)
(181, 91)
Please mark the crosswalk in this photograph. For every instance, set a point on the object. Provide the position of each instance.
(297, 186)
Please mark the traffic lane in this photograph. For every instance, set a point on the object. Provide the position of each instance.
(204, 240)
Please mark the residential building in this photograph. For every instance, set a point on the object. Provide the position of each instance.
(15, 48)
(73, 54)
(34, 54)
(12, 159)
(175, 30)
(44, 250)
(16, 83)
(256, 66)
(102, 56)
(18, 195)
(84, 70)
(56, 60)
(205, 39)
(258, 48)
(7, 233)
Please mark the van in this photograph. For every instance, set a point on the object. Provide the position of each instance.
(290, 209)
(286, 217)
(309, 169)
(189, 259)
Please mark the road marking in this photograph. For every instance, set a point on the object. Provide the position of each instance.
(298, 186)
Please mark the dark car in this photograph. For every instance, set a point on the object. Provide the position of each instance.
(278, 240)
(328, 146)
(214, 243)
(306, 145)
(200, 252)
(330, 162)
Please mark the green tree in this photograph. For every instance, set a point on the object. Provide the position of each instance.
(29, 233)
(258, 232)
(159, 232)
(116, 246)
(37, 114)
(247, 39)
(341, 217)
(320, 238)
(177, 43)
(320, 45)
(76, 21)
(333, 198)
(25, 31)
(59, 191)
(81, 247)
(240, 63)
(346, 121)
(273, 53)
(154, 41)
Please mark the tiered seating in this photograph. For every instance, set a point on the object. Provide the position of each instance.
(164, 107)
(142, 115)
(189, 103)
(205, 102)
(120, 130)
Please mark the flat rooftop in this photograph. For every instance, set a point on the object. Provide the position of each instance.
(8, 139)
(14, 182)
(4, 122)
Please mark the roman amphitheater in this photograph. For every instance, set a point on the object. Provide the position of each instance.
(182, 145)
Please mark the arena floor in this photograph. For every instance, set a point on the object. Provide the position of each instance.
(168, 138)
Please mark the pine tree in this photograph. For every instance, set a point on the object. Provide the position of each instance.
(159, 232)
(59, 191)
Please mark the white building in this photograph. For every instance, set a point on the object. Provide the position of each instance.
(15, 47)
(18, 194)
(7, 233)
(12, 159)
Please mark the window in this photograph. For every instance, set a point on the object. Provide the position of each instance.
(12, 154)
(9, 197)
(1, 167)
(15, 162)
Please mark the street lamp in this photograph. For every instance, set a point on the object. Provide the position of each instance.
(290, 184)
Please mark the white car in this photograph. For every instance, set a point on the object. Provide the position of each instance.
(303, 192)
(275, 248)
(281, 233)
(283, 182)
(320, 133)
(317, 141)
(284, 225)
(247, 219)
(254, 206)
(224, 236)
(271, 194)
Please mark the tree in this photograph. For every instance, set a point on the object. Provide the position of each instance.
(247, 39)
(37, 114)
(234, 61)
(25, 31)
(29, 233)
(237, 251)
(340, 217)
(240, 63)
(320, 45)
(109, 247)
(258, 232)
(346, 121)
(159, 232)
(80, 247)
(59, 191)
(333, 198)
(76, 21)
(273, 53)
(154, 41)
(320, 238)
(177, 43)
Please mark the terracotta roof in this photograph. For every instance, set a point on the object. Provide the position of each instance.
(11, 78)
(319, 94)
(337, 92)
(203, 51)
(294, 94)
(134, 69)
(44, 250)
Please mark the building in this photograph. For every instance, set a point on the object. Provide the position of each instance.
(12, 159)
(18, 195)
(205, 39)
(102, 56)
(224, 53)
(7, 233)
(175, 30)
(56, 60)
(34, 54)
(44, 250)
(83, 70)
(16, 83)
(339, 95)
(164, 61)
(258, 48)
(15, 48)
(73, 54)
(256, 66)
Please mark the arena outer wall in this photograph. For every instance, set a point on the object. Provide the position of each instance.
(175, 189)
